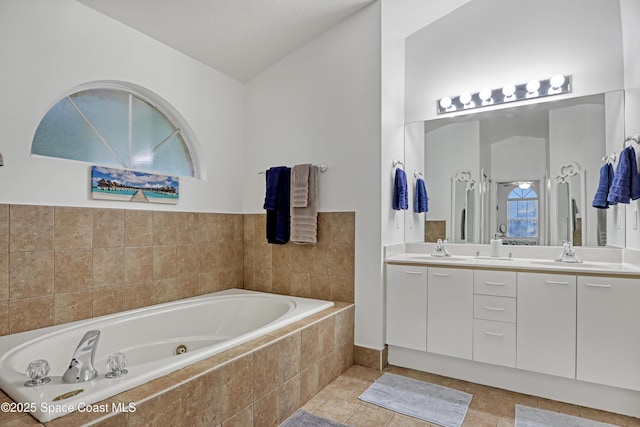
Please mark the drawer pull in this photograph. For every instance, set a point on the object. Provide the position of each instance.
(595, 285)
(494, 308)
(413, 272)
(553, 282)
(494, 283)
(441, 274)
(493, 334)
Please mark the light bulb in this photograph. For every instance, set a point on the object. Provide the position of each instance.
(557, 81)
(485, 94)
(445, 102)
(465, 98)
(508, 90)
(524, 185)
(533, 86)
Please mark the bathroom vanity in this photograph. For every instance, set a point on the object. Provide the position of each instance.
(558, 330)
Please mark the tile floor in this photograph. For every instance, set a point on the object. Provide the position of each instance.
(490, 407)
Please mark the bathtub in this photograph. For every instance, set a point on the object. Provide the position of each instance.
(149, 337)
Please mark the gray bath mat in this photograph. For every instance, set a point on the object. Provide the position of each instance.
(534, 417)
(419, 399)
(303, 418)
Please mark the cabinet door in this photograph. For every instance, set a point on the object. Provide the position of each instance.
(407, 306)
(450, 312)
(546, 324)
(609, 331)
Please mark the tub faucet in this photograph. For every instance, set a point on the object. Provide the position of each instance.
(440, 250)
(81, 366)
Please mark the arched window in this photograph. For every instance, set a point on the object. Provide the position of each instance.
(522, 212)
(118, 127)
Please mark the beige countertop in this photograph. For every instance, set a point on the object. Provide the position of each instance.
(518, 264)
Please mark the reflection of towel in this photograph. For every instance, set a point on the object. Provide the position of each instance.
(602, 227)
(463, 223)
(574, 213)
(300, 185)
(606, 178)
(400, 193)
(421, 201)
(304, 221)
(626, 183)
(277, 204)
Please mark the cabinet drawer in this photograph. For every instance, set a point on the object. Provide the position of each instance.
(494, 342)
(489, 307)
(498, 283)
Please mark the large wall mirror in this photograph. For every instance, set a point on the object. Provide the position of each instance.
(527, 173)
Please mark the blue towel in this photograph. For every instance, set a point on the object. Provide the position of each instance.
(400, 193)
(421, 201)
(626, 182)
(277, 204)
(606, 178)
(271, 197)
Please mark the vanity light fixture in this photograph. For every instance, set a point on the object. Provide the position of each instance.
(558, 84)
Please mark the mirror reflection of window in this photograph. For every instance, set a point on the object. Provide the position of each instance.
(522, 212)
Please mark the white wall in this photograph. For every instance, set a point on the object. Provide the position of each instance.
(631, 43)
(487, 43)
(518, 157)
(321, 104)
(50, 47)
(414, 162)
(400, 18)
(449, 149)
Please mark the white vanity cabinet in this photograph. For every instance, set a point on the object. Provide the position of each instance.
(407, 306)
(450, 312)
(546, 324)
(608, 343)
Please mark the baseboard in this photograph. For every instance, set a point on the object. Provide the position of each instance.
(371, 358)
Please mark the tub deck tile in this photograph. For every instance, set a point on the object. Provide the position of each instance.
(83, 418)
(147, 391)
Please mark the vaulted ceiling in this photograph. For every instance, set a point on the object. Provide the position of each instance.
(240, 38)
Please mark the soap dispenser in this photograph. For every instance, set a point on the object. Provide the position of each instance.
(496, 242)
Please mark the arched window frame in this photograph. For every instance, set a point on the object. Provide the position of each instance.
(155, 101)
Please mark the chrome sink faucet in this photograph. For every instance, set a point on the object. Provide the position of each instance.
(440, 249)
(81, 366)
(568, 254)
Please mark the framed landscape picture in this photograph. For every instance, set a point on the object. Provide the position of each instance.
(132, 186)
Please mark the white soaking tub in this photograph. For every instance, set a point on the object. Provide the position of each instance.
(149, 337)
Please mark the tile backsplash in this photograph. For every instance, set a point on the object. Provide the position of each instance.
(60, 264)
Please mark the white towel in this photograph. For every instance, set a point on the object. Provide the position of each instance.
(300, 185)
(304, 220)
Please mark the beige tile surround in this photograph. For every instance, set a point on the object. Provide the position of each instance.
(76, 263)
(61, 264)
